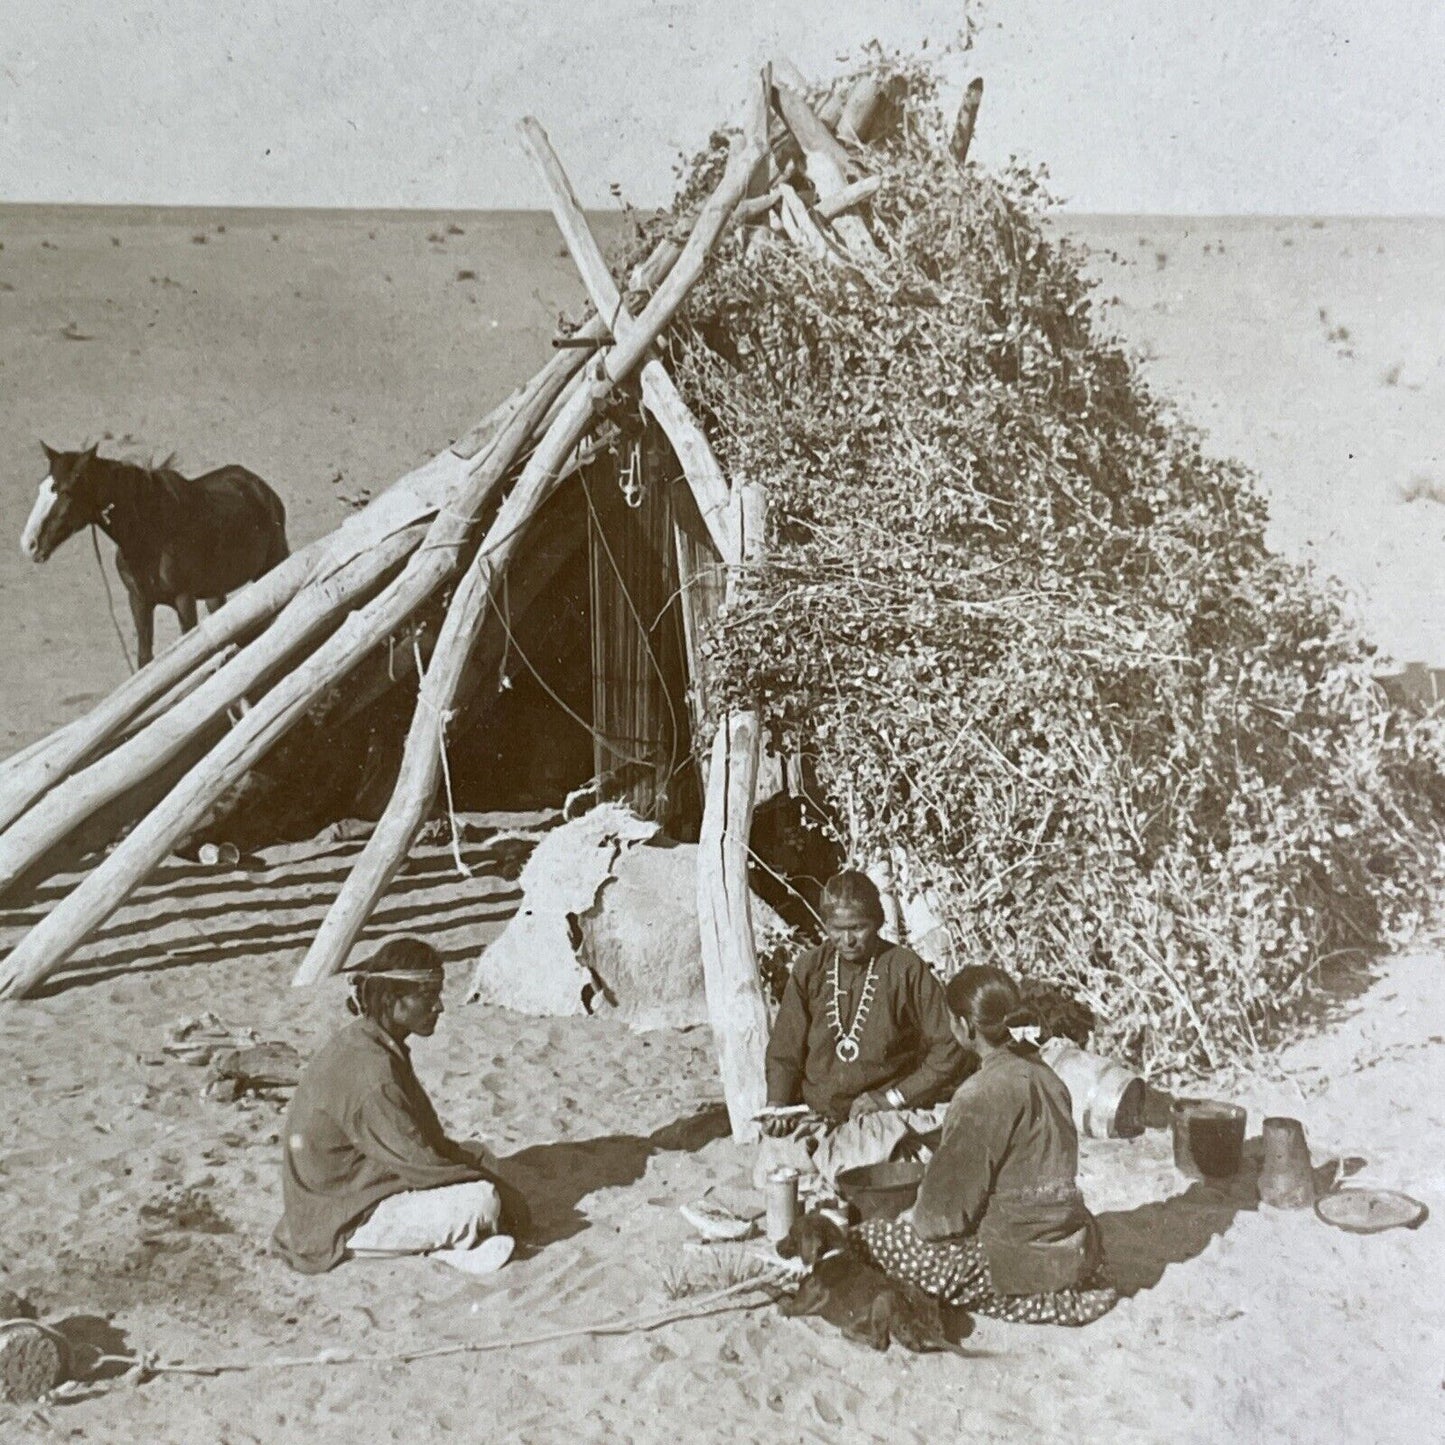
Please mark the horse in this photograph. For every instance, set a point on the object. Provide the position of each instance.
(178, 539)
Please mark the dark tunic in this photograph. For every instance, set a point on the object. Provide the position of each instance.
(360, 1128)
(1006, 1170)
(905, 1041)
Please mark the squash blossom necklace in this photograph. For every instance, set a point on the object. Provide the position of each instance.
(847, 1048)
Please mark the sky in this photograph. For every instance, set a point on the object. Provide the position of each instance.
(1136, 106)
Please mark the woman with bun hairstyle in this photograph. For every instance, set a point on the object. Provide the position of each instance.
(999, 1226)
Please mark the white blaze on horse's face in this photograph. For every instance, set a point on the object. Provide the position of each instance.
(45, 501)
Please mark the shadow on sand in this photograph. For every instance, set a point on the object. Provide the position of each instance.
(97, 1352)
(1140, 1244)
(555, 1178)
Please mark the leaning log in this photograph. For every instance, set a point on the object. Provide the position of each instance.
(316, 607)
(416, 782)
(803, 231)
(659, 392)
(46, 947)
(181, 691)
(388, 845)
(860, 109)
(830, 168)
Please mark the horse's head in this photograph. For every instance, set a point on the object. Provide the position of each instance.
(65, 503)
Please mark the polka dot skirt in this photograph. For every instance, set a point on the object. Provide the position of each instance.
(957, 1273)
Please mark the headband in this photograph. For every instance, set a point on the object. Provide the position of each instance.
(358, 976)
(401, 975)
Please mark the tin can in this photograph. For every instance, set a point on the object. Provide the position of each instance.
(782, 1197)
(219, 855)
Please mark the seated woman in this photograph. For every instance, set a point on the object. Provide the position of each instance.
(999, 1226)
(862, 1030)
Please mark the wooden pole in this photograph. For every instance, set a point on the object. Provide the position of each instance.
(97, 896)
(860, 109)
(967, 119)
(659, 392)
(830, 108)
(409, 500)
(416, 782)
(735, 1004)
(828, 166)
(71, 801)
(457, 485)
(182, 690)
(388, 845)
(803, 231)
(850, 196)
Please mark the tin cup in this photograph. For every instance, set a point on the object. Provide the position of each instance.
(782, 1199)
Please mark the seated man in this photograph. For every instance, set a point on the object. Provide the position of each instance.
(863, 1029)
(367, 1169)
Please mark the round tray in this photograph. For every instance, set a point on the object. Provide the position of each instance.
(1368, 1211)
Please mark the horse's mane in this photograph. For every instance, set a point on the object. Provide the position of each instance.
(148, 466)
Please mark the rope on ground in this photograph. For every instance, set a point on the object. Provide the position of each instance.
(146, 1366)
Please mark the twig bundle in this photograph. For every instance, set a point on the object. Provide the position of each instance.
(1029, 631)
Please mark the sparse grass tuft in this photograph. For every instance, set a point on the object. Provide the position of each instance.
(706, 1274)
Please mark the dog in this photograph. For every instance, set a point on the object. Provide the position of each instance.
(865, 1304)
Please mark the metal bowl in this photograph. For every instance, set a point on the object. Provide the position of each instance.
(881, 1191)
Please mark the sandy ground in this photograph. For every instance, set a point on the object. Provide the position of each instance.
(312, 347)
(1244, 1323)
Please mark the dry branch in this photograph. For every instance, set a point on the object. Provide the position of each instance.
(967, 119)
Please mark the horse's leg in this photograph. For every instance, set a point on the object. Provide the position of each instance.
(186, 611)
(142, 612)
(241, 706)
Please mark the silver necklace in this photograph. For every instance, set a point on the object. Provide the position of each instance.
(847, 1048)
